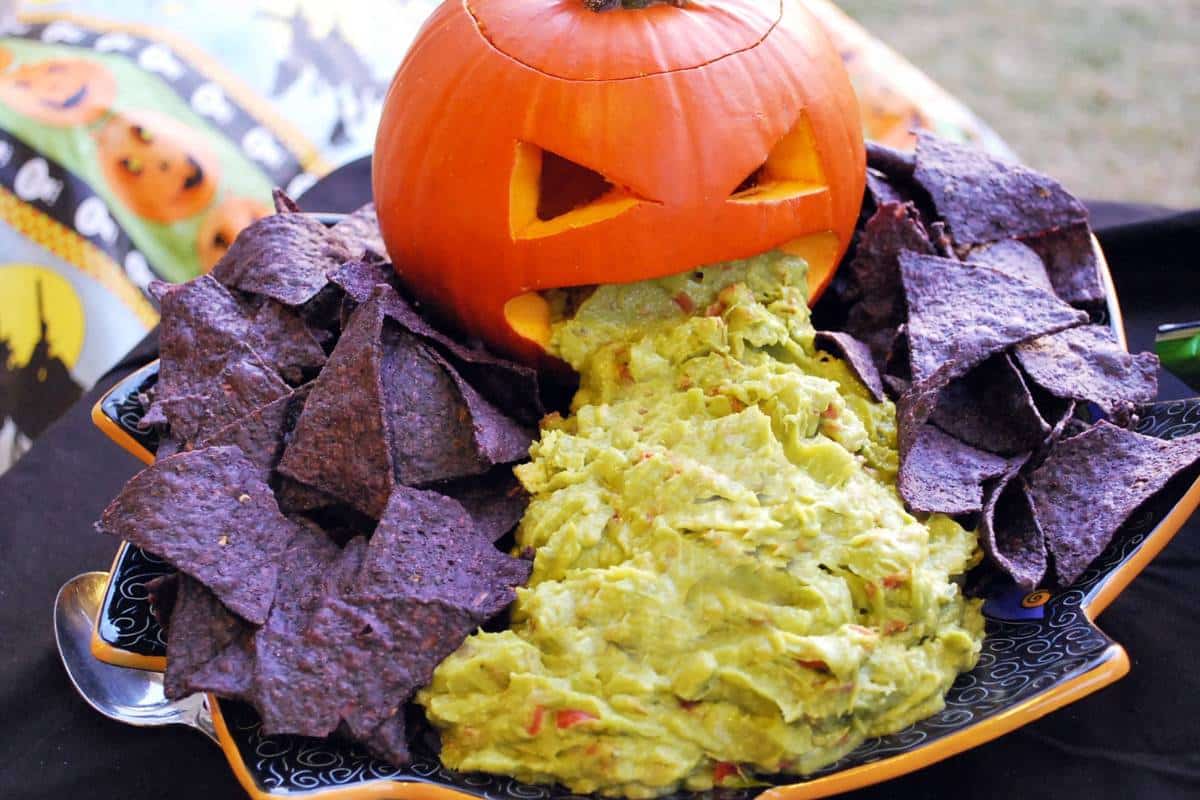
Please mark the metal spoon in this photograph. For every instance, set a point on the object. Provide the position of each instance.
(132, 696)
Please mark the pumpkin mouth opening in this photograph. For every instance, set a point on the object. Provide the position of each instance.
(533, 315)
(549, 194)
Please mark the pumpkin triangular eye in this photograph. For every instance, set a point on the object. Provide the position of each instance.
(792, 169)
(564, 186)
(549, 194)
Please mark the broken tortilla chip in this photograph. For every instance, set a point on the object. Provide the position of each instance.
(1009, 532)
(1091, 483)
(992, 408)
(1087, 364)
(940, 474)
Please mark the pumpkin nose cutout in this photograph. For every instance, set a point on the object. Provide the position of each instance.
(549, 194)
(792, 169)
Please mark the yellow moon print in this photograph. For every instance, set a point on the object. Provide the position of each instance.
(23, 313)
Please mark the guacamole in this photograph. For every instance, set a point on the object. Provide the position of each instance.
(725, 581)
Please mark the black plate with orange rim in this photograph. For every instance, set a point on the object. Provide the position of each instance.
(1041, 651)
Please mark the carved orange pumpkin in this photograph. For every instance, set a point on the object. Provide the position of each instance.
(536, 144)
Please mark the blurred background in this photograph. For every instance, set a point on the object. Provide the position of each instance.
(1102, 94)
(228, 98)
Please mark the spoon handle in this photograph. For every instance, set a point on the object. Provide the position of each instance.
(194, 712)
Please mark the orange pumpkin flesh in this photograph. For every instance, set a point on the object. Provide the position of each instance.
(699, 134)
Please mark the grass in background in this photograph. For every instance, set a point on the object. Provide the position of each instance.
(1102, 94)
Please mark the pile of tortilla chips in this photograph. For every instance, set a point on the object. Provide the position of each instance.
(972, 297)
(330, 483)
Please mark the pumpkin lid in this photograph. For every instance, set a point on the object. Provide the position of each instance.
(577, 44)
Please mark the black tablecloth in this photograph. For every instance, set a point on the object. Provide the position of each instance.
(1137, 739)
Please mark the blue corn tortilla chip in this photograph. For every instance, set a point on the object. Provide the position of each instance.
(389, 409)
(260, 435)
(285, 257)
(940, 474)
(421, 532)
(496, 501)
(284, 204)
(896, 386)
(359, 277)
(992, 408)
(289, 682)
(354, 632)
(874, 275)
(1069, 256)
(917, 404)
(1009, 531)
(442, 428)
(857, 355)
(209, 514)
(201, 323)
(323, 314)
(284, 339)
(960, 314)
(295, 497)
(406, 574)
(881, 190)
(245, 384)
(1091, 483)
(1087, 364)
(205, 327)
(511, 387)
(984, 199)
(360, 233)
(1013, 258)
(200, 630)
(340, 442)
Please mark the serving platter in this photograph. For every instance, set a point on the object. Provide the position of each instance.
(1042, 651)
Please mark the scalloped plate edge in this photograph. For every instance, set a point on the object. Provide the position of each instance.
(103, 420)
(108, 653)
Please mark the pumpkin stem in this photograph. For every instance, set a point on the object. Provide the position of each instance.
(609, 5)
